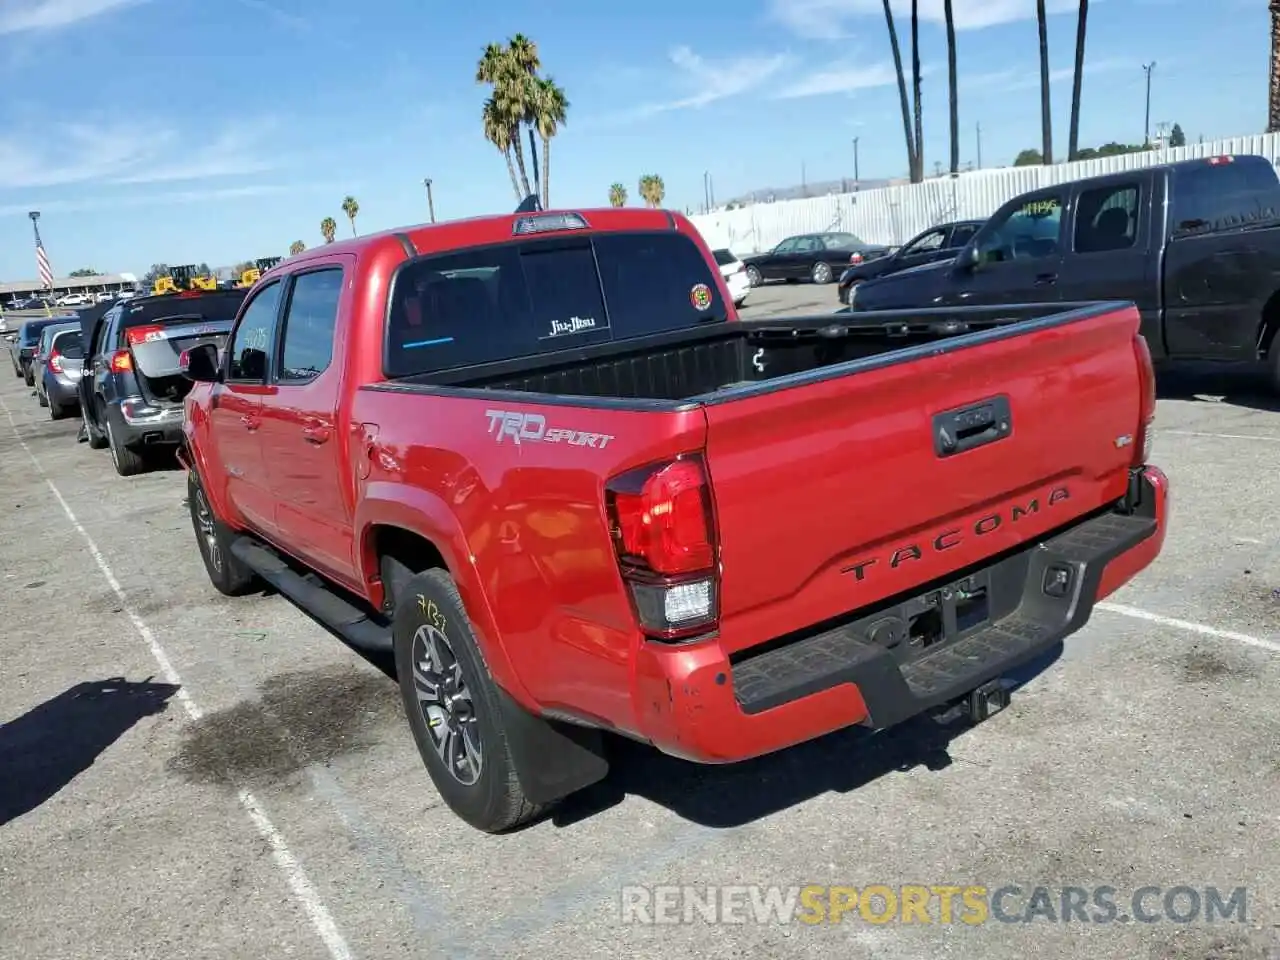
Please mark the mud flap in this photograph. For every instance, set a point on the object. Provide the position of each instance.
(552, 759)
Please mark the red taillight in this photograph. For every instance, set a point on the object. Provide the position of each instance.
(856, 258)
(1147, 403)
(1215, 161)
(663, 533)
(184, 360)
(55, 362)
(137, 335)
(121, 362)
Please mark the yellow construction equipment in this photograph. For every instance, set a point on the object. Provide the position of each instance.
(252, 275)
(180, 279)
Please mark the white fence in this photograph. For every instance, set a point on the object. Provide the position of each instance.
(894, 215)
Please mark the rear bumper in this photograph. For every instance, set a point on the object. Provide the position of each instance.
(139, 424)
(62, 391)
(694, 702)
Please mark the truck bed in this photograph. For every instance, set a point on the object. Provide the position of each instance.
(738, 358)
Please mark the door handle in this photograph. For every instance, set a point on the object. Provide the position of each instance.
(1046, 279)
(315, 434)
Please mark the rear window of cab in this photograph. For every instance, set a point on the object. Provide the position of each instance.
(537, 296)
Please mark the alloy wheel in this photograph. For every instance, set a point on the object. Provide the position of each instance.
(446, 705)
(204, 520)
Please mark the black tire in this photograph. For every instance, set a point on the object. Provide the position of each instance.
(128, 463)
(17, 371)
(56, 410)
(821, 273)
(41, 398)
(228, 575)
(29, 377)
(753, 276)
(1273, 365)
(430, 612)
(97, 441)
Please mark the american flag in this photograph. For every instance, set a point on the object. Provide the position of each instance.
(42, 265)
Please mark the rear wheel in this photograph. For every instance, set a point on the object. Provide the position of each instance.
(41, 398)
(1273, 365)
(127, 462)
(821, 273)
(29, 377)
(56, 410)
(227, 574)
(96, 439)
(453, 707)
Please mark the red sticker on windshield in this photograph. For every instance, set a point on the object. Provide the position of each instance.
(700, 297)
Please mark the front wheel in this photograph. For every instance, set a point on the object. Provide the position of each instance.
(753, 276)
(453, 706)
(228, 575)
(821, 273)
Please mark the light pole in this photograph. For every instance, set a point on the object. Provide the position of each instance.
(856, 178)
(1146, 125)
(431, 204)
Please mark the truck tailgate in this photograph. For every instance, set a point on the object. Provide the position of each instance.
(832, 494)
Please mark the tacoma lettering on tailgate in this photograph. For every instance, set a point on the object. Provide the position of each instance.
(532, 428)
(949, 539)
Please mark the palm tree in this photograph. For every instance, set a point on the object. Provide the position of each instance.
(328, 229)
(952, 96)
(509, 70)
(918, 175)
(902, 89)
(550, 107)
(296, 248)
(497, 130)
(1046, 122)
(352, 209)
(652, 189)
(1073, 136)
(618, 193)
(1273, 104)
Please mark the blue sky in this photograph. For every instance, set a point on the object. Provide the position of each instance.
(220, 130)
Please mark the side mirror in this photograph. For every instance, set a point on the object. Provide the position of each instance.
(967, 258)
(200, 364)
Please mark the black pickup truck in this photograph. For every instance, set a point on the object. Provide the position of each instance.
(1195, 244)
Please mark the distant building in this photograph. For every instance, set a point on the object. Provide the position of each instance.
(102, 283)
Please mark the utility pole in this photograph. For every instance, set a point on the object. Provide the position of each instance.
(431, 204)
(856, 178)
(711, 189)
(804, 181)
(706, 193)
(978, 128)
(1146, 126)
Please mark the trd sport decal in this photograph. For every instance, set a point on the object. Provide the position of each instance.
(700, 297)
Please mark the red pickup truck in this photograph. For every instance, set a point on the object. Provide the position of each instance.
(539, 458)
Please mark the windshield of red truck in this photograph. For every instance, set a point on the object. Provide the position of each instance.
(536, 296)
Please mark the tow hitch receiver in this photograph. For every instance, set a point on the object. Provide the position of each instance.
(991, 697)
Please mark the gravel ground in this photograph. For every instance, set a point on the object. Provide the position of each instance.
(187, 775)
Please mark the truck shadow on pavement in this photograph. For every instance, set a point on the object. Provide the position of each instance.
(51, 744)
(1239, 385)
(734, 795)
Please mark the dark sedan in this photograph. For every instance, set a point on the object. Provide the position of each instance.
(937, 243)
(22, 345)
(814, 256)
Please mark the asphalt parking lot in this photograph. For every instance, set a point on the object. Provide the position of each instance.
(187, 775)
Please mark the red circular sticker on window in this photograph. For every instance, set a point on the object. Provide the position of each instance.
(700, 297)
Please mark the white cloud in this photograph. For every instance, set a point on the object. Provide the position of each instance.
(83, 153)
(711, 80)
(18, 16)
(1028, 78)
(845, 78)
(830, 19)
(170, 197)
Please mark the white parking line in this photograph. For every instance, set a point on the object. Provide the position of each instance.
(1219, 436)
(1188, 625)
(304, 890)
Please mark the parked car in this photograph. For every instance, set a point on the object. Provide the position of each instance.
(537, 458)
(73, 300)
(44, 346)
(942, 242)
(1195, 244)
(22, 347)
(819, 257)
(58, 386)
(132, 388)
(734, 272)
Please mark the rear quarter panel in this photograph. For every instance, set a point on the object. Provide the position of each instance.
(522, 527)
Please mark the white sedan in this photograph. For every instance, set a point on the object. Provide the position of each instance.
(735, 275)
(73, 300)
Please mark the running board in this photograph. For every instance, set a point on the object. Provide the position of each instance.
(314, 596)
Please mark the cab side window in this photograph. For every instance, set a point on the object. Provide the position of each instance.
(309, 324)
(1029, 231)
(1107, 218)
(925, 243)
(251, 344)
